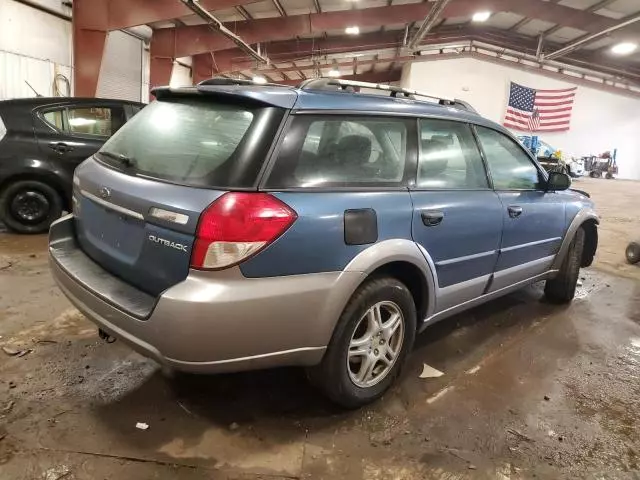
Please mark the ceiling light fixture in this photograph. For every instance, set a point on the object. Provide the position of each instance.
(334, 72)
(259, 79)
(624, 48)
(481, 16)
(353, 30)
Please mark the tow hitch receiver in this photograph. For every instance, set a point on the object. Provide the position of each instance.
(105, 336)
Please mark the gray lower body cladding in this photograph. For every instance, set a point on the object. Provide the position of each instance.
(213, 321)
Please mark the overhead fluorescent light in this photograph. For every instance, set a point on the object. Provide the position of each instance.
(481, 16)
(624, 48)
(353, 30)
(258, 79)
(334, 73)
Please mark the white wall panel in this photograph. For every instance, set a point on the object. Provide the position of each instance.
(601, 121)
(30, 32)
(34, 47)
(180, 76)
(16, 70)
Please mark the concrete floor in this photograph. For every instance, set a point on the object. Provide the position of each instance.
(530, 390)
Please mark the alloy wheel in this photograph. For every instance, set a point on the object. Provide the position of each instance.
(375, 344)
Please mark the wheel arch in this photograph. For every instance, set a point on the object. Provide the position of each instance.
(590, 227)
(402, 259)
(589, 220)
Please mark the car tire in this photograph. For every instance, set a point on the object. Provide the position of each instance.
(29, 206)
(608, 175)
(562, 288)
(345, 375)
(633, 253)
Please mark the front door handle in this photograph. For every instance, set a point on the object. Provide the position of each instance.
(514, 211)
(60, 147)
(431, 218)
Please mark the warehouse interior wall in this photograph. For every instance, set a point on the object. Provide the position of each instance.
(46, 53)
(35, 58)
(601, 121)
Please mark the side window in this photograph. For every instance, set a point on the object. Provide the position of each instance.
(54, 118)
(92, 121)
(511, 168)
(355, 128)
(342, 151)
(449, 157)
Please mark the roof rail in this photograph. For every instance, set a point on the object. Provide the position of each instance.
(351, 85)
(235, 81)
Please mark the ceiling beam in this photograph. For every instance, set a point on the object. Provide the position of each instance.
(592, 8)
(429, 21)
(279, 7)
(372, 77)
(180, 42)
(338, 65)
(130, 13)
(171, 42)
(590, 38)
(288, 51)
(516, 27)
(217, 26)
(243, 12)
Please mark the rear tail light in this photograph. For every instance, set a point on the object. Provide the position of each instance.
(236, 226)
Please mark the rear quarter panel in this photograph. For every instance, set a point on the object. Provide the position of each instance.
(315, 242)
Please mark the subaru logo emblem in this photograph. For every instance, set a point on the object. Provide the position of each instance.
(104, 192)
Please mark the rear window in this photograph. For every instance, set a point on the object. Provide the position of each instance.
(192, 142)
(329, 150)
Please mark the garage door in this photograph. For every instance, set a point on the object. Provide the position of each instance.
(121, 72)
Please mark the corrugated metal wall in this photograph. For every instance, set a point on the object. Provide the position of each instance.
(121, 72)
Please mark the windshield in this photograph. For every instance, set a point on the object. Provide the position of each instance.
(183, 140)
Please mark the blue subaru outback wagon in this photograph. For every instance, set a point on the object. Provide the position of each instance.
(233, 226)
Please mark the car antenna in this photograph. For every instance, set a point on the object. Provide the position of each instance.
(34, 90)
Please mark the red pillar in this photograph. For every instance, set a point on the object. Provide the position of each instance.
(90, 25)
(202, 67)
(160, 74)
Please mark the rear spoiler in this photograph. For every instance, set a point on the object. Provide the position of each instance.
(267, 94)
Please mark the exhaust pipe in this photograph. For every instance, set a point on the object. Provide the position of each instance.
(105, 336)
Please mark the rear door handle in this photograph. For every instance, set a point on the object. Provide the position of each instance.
(60, 147)
(431, 218)
(514, 211)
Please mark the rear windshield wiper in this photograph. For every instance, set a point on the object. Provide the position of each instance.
(123, 159)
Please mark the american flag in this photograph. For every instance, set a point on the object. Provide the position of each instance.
(531, 110)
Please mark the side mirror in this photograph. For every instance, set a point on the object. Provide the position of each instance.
(558, 181)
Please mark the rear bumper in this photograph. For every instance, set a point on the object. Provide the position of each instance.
(212, 321)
